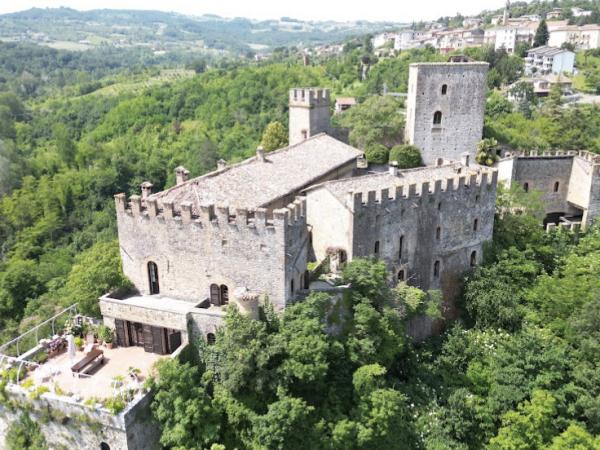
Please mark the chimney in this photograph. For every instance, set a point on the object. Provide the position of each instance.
(146, 189)
(181, 174)
(260, 154)
(393, 168)
(221, 164)
(464, 158)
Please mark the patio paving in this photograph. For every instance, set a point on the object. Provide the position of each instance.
(117, 361)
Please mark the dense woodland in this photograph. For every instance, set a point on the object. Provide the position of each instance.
(518, 371)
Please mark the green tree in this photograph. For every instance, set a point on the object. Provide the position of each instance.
(486, 151)
(182, 406)
(407, 156)
(541, 34)
(528, 428)
(25, 434)
(274, 137)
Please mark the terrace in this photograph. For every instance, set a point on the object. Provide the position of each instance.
(95, 374)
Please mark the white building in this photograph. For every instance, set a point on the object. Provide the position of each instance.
(584, 37)
(545, 60)
(508, 37)
(382, 39)
(578, 12)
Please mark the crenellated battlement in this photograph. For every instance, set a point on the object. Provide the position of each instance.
(294, 215)
(309, 97)
(588, 156)
(484, 180)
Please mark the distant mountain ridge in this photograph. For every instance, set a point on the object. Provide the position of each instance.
(164, 31)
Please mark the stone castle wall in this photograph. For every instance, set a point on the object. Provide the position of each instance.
(244, 250)
(462, 107)
(67, 424)
(569, 181)
(453, 205)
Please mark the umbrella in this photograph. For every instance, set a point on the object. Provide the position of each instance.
(71, 347)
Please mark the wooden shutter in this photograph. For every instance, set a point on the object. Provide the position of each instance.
(158, 341)
(148, 347)
(120, 330)
(174, 341)
(215, 294)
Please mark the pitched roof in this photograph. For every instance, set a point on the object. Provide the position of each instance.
(254, 183)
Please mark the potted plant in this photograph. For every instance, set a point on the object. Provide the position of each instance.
(106, 335)
(79, 342)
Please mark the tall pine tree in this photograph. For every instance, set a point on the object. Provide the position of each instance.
(541, 35)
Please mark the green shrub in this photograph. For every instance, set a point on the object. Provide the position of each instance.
(407, 156)
(37, 393)
(105, 334)
(24, 434)
(115, 405)
(377, 154)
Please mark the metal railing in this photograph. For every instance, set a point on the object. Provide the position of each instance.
(35, 332)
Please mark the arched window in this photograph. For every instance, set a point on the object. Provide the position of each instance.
(224, 291)
(215, 295)
(211, 339)
(292, 286)
(437, 118)
(153, 278)
(401, 275)
(436, 269)
(475, 224)
(444, 89)
(343, 256)
(376, 249)
(401, 244)
(556, 186)
(473, 258)
(526, 187)
(306, 279)
(438, 233)
(104, 446)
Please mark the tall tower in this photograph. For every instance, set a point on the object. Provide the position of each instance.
(309, 113)
(445, 108)
(506, 13)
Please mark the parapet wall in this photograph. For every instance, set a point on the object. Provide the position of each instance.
(484, 180)
(309, 97)
(214, 216)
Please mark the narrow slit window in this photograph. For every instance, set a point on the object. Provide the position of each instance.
(556, 186)
(436, 269)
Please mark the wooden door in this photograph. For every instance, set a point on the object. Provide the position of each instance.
(120, 330)
(158, 340)
(174, 341)
(148, 341)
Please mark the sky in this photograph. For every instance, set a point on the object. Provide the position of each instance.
(374, 10)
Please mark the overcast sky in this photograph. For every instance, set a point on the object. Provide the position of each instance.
(397, 11)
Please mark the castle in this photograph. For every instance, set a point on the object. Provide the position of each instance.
(247, 233)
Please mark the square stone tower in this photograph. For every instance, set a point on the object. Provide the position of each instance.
(445, 108)
(309, 113)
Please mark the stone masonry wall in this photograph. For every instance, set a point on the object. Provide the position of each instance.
(70, 425)
(415, 215)
(191, 252)
(462, 108)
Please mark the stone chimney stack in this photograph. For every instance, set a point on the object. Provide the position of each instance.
(181, 174)
(221, 164)
(393, 168)
(464, 158)
(146, 189)
(260, 154)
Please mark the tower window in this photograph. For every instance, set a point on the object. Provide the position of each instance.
(211, 339)
(401, 244)
(526, 187)
(401, 275)
(376, 249)
(473, 258)
(556, 186)
(224, 294)
(437, 118)
(475, 224)
(436, 269)
(439, 206)
(304, 134)
(444, 89)
(292, 287)
(153, 278)
(438, 233)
